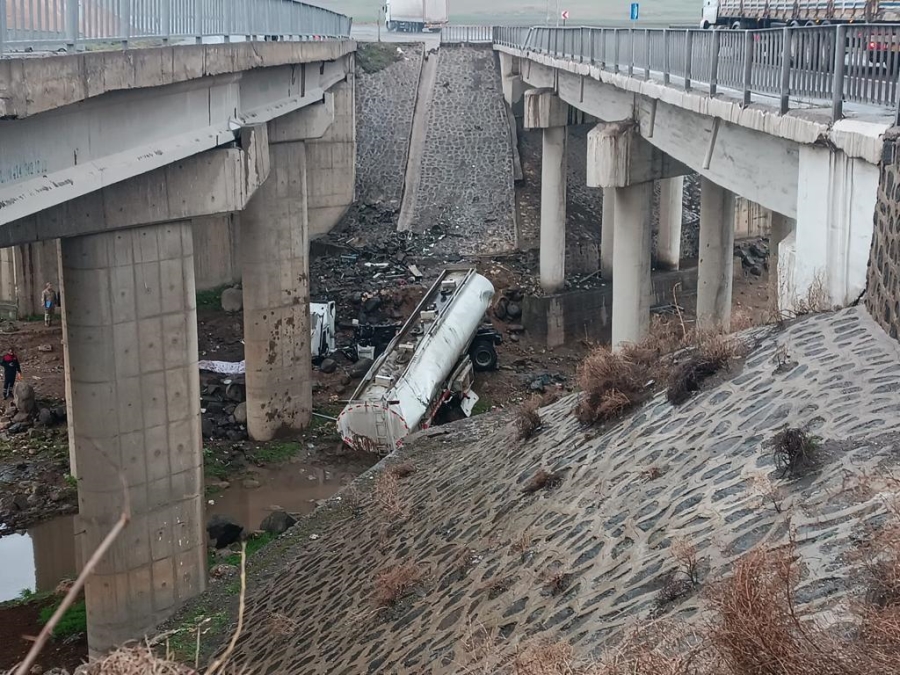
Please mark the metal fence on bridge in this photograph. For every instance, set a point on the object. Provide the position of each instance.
(32, 25)
(856, 63)
(467, 34)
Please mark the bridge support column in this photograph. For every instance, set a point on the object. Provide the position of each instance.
(607, 233)
(544, 110)
(782, 226)
(275, 268)
(668, 245)
(631, 264)
(715, 267)
(130, 325)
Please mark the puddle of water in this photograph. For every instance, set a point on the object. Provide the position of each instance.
(294, 487)
(38, 559)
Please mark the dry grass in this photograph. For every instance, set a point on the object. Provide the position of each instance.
(794, 451)
(554, 579)
(713, 352)
(541, 480)
(652, 473)
(688, 560)
(528, 419)
(281, 624)
(387, 496)
(521, 542)
(545, 658)
(135, 660)
(392, 584)
(614, 382)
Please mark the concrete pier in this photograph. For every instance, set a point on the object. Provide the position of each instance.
(275, 265)
(716, 263)
(631, 264)
(668, 244)
(553, 210)
(781, 228)
(130, 326)
(607, 233)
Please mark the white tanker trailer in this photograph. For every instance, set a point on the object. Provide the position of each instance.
(428, 364)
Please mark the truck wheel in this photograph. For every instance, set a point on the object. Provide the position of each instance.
(484, 356)
(391, 26)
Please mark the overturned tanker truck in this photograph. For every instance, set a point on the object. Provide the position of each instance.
(428, 365)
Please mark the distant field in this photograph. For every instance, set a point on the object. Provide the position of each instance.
(528, 12)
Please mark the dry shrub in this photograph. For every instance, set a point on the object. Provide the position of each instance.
(403, 469)
(528, 419)
(767, 491)
(281, 624)
(688, 560)
(387, 496)
(521, 542)
(657, 648)
(134, 660)
(554, 579)
(391, 585)
(545, 658)
(613, 382)
(714, 352)
(652, 473)
(794, 451)
(541, 480)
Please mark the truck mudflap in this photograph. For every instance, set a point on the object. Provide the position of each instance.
(467, 402)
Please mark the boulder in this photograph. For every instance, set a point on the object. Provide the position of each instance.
(328, 366)
(23, 396)
(45, 417)
(513, 310)
(232, 300)
(20, 417)
(360, 368)
(250, 483)
(240, 413)
(60, 413)
(277, 522)
(223, 531)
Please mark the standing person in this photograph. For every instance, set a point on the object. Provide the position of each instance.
(11, 368)
(48, 300)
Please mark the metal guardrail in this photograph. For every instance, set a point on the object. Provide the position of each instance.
(856, 63)
(31, 25)
(467, 34)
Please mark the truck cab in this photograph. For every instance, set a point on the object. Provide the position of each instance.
(710, 13)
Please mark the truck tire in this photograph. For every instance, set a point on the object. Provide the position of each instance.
(483, 355)
(391, 26)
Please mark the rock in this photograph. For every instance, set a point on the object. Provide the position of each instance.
(514, 310)
(206, 427)
(17, 428)
(23, 397)
(513, 338)
(537, 385)
(346, 379)
(215, 407)
(371, 304)
(45, 348)
(240, 413)
(222, 571)
(232, 300)
(250, 483)
(60, 413)
(235, 435)
(223, 531)
(328, 366)
(20, 417)
(277, 522)
(46, 417)
(515, 328)
(360, 368)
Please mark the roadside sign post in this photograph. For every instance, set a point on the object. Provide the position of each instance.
(635, 11)
(564, 15)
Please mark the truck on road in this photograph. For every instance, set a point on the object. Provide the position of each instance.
(739, 14)
(416, 16)
(428, 365)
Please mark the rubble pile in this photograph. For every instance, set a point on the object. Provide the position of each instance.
(754, 256)
(23, 412)
(223, 406)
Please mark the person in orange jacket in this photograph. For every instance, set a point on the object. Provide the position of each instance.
(11, 368)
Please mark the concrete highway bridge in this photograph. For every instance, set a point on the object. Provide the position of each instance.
(152, 123)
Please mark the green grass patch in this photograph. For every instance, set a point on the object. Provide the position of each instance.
(213, 467)
(276, 452)
(373, 57)
(483, 405)
(73, 622)
(212, 298)
(183, 643)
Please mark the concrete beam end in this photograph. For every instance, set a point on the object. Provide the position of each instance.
(618, 157)
(545, 110)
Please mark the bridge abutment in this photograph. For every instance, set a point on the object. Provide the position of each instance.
(130, 326)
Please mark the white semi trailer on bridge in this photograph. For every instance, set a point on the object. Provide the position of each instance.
(415, 16)
(427, 365)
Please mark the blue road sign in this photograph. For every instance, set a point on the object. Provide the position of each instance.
(635, 10)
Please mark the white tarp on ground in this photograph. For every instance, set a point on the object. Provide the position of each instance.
(223, 367)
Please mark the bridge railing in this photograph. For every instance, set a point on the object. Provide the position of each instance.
(31, 25)
(467, 34)
(799, 66)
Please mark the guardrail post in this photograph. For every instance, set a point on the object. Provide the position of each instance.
(591, 46)
(665, 56)
(647, 47)
(229, 21)
(581, 44)
(125, 23)
(602, 49)
(2, 26)
(556, 43)
(785, 69)
(748, 66)
(616, 53)
(714, 62)
(165, 20)
(71, 24)
(631, 60)
(688, 51)
(198, 22)
(840, 52)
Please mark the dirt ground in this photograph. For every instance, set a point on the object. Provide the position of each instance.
(19, 622)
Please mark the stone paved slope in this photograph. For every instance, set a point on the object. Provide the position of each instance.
(597, 546)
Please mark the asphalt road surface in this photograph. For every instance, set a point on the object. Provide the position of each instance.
(369, 33)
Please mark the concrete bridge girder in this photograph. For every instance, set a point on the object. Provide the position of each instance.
(618, 157)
